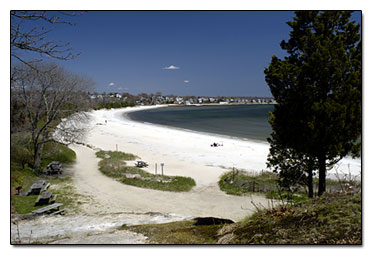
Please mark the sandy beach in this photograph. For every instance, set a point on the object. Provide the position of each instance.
(184, 153)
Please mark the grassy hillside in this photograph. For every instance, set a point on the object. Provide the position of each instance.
(23, 175)
(331, 219)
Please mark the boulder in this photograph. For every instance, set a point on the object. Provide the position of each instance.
(200, 221)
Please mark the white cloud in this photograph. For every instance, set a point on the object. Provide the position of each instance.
(186, 81)
(111, 84)
(171, 67)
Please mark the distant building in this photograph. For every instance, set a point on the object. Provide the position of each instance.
(179, 100)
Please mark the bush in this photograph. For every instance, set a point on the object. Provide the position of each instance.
(237, 182)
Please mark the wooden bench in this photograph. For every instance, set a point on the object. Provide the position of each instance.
(58, 212)
(53, 207)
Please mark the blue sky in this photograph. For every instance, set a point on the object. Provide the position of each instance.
(207, 53)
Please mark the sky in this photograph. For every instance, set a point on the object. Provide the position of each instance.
(200, 53)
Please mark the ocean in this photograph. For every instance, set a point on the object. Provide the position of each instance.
(240, 121)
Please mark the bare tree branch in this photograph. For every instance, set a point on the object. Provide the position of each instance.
(27, 34)
(49, 94)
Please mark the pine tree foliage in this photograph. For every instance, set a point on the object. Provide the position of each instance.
(318, 90)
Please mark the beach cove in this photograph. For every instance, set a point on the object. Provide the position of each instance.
(184, 153)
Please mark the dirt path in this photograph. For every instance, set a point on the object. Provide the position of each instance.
(110, 196)
(110, 204)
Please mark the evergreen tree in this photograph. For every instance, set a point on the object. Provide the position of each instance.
(318, 90)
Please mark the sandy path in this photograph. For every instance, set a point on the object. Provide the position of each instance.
(111, 196)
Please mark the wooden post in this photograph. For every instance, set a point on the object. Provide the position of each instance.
(116, 147)
(156, 168)
(162, 165)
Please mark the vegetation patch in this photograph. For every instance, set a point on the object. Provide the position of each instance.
(331, 219)
(180, 232)
(116, 156)
(113, 165)
(21, 156)
(238, 182)
(25, 204)
(23, 175)
(57, 152)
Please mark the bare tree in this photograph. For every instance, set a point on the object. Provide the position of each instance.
(49, 95)
(29, 33)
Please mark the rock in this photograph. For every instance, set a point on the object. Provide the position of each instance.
(167, 180)
(226, 229)
(211, 221)
(160, 180)
(134, 176)
(226, 239)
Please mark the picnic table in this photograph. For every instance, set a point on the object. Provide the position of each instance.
(53, 209)
(54, 167)
(43, 198)
(141, 164)
(37, 187)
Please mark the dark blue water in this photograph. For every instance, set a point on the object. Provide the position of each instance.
(242, 121)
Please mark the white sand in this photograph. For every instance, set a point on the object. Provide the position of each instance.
(184, 153)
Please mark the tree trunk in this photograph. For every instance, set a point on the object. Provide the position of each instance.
(38, 149)
(322, 175)
(310, 180)
(37, 158)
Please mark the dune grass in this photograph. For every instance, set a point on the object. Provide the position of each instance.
(235, 182)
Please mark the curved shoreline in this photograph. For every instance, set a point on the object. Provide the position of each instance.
(346, 165)
(184, 153)
(127, 116)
